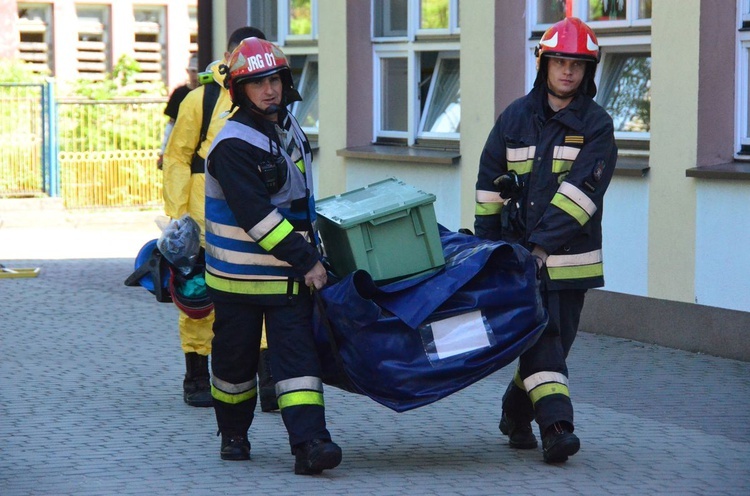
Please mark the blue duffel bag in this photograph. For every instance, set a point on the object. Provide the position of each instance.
(409, 343)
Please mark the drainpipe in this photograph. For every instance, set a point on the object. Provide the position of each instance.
(205, 32)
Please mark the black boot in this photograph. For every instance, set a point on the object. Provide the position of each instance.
(266, 384)
(559, 442)
(235, 447)
(196, 387)
(520, 435)
(312, 457)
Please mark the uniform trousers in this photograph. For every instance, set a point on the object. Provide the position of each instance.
(548, 354)
(236, 343)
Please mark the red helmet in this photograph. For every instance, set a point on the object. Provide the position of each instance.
(196, 306)
(255, 58)
(569, 38)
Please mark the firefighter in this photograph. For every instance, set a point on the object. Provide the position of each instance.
(542, 177)
(262, 261)
(183, 193)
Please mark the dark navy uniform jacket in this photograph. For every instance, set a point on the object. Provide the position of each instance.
(565, 161)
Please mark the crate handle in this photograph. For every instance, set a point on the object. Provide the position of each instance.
(387, 218)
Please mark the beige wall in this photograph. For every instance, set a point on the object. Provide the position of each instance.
(333, 68)
(477, 94)
(674, 134)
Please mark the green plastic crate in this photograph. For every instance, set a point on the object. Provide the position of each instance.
(387, 229)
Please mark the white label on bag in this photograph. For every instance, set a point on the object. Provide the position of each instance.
(460, 334)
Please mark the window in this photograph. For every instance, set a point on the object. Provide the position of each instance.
(92, 50)
(264, 15)
(35, 36)
(293, 25)
(193, 19)
(305, 74)
(416, 71)
(597, 13)
(285, 21)
(623, 29)
(742, 117)
(625, 92)
(443, 116)
(149, 43)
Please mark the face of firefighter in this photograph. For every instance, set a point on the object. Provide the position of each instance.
(265, 92)
(564, 76)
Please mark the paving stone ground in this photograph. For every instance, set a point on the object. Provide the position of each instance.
(90, 402)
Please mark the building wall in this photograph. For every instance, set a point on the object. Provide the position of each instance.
(8, 33)
(121, 33)
(675, 31)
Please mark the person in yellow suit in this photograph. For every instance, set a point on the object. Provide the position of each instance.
(184, 193)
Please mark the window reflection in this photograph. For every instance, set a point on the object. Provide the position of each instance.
(444, 105)
(625, 91)
(300, 17)
(434, 14)
(607, 10)
(394, 102)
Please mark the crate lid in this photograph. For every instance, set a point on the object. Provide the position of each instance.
(373, 201)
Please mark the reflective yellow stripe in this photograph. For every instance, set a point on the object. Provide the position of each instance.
(250, 287)
(488, 208)
(265, 226)
(276, 235)
(549, 389)
(576, 272)
(300, 398)
(521, 167)
(301, 165)
(232, 399)
(570, 207)
(560, 166)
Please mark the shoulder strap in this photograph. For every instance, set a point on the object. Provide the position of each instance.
(210, 97)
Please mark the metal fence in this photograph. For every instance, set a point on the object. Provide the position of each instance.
(90, 153)
(21, 139)
(108, 152)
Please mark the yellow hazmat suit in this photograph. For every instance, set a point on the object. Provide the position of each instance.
(184, 191)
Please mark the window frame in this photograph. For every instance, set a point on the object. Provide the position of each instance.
(453, 26)
(410, 47)
(44, 26)
(580, 9)
(618, 48)
(309, 59)
(742, 82)
(284, 19)
(421, 133)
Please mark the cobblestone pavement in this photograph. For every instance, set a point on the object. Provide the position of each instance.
(90, 404)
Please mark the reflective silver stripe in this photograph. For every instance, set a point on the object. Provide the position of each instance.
(230, 388)
(588, 258)
(306, 383)
(519, 154)
(578, 197)
(488, 196)
(540, 378)
(242, 258)
(266, 225)
(226, 231)
(565, 152)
